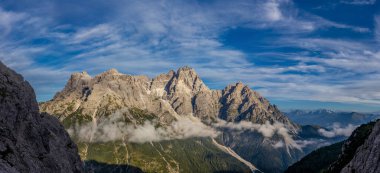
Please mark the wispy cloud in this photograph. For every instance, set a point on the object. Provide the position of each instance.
(359, 2)
(141, 37)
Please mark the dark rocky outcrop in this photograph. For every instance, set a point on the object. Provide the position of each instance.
(30, 141)
(359, 153)
(367, 157)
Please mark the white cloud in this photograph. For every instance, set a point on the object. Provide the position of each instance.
(101, 31)
(267, 129)
(316, 143)
(8, 20)
(337, 130)
(279, 144)
(114, 128)
(272, 11)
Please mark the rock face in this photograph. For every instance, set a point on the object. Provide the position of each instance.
(367, 157)
(30, 141)
(168, 96)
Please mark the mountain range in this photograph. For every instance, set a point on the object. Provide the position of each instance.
(326, 118)
(109, 113)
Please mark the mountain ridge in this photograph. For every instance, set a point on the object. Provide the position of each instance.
(326, 118)
(167, 102)
(179, 93)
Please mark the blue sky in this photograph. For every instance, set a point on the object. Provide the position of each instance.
(300, 54)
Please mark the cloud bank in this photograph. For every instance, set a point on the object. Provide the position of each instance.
(267, 130)
(114, 129)
(337, 130)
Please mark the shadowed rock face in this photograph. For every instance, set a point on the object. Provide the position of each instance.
(359, 153)
(367, 157)
(30, 141)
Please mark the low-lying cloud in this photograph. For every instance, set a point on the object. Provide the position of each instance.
(181, 129)
(267, 129)
(337, 130)
(115, 128)
(317, 143)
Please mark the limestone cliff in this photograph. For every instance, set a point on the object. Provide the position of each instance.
(167, 96)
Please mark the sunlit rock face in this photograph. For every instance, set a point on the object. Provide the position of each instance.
(30, 141)
(180, 93)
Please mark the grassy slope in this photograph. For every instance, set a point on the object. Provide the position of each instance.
(317, 160)
(185, 155)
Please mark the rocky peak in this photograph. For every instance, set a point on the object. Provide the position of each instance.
(108, 75)
(78, 79)
(186, 72)
(30, 141)
(175, 93)
(80, 76)
(188, 77)
(110, 72)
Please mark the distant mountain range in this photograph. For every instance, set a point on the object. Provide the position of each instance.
(326, 118)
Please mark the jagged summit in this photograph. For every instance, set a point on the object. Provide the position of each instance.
(185, 68)
(81, 74)
(110, 72)
(180, 93)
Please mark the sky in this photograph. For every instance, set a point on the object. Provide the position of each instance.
(300, 54)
